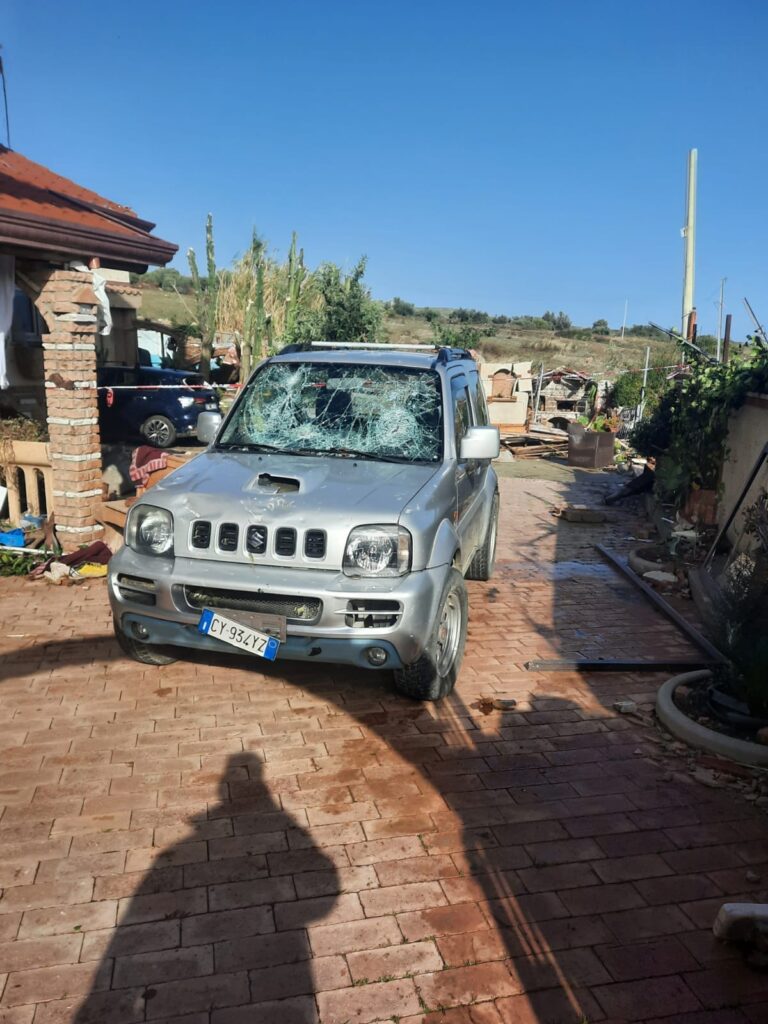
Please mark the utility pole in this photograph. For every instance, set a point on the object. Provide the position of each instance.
(720, 316)
(624, 321)
(645, 380)
(689, 236)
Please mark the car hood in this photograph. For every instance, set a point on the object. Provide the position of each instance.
(328, 493)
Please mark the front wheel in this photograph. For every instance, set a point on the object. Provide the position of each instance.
(434, 675)
(159, 431)
(147, 654)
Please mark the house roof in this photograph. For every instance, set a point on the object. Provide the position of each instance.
(43, 214)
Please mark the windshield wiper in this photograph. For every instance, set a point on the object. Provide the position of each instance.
(226, 446)
(352, 453)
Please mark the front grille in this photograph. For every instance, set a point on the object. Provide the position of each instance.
(372, 614)
(314, 543)
(285, 541)
(295, 609)
(228, 534)
(201, 534)
(256, 540)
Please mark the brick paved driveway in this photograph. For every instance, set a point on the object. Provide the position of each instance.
(207, 843)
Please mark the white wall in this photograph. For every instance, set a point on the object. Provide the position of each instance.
(747, 434)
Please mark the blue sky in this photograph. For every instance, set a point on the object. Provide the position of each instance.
(508, 156)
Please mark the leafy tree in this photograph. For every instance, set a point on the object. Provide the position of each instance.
(557, 321)
(628, 388)
(430, 315)
(402, 308)
(468, 316)
(349, 314)
(463, 336)
(601, 327)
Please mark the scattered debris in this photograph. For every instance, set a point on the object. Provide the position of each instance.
(746, 925)
(659, 576)
(504, 703)
(484, 705)
(580, 514)
(625, 707)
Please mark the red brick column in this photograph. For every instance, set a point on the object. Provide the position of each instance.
(69, 308)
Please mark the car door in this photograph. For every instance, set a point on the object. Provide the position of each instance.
(468, 471)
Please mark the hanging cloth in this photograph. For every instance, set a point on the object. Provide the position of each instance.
(7, 289)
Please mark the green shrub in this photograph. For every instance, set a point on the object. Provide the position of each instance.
(402, 308)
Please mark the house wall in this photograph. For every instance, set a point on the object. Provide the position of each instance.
(747, 435)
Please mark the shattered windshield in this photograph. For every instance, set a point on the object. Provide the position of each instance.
(378, 412)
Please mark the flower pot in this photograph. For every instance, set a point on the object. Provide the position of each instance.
(697, 735)
(701, 507)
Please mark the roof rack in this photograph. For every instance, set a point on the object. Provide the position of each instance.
(444, 354)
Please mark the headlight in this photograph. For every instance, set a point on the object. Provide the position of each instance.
(185, 401)
(377, 551)
(150, 530)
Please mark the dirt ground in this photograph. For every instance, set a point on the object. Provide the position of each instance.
(225, 842)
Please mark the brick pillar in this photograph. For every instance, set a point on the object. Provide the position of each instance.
(69, 307)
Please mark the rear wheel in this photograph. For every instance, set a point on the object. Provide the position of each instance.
(159, 431)
(147, 654)
(481, 566)
(434, 674)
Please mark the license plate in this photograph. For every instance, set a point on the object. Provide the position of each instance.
(210, 405)
(238, 635)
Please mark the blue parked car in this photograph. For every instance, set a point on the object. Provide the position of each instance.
(159, 416)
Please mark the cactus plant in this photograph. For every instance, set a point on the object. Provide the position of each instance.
(206, 298)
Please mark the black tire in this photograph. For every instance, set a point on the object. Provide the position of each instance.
(434, 675)
(481, 566)
(147, 654)
(159, 431)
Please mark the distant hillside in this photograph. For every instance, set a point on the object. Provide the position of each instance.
(594, 353)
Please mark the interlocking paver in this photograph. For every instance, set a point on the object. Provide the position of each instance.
(217, 842)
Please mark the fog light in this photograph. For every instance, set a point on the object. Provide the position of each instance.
(139, 631)
(376, 655)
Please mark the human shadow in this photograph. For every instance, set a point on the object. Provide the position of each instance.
(524, 824)
(220, 918)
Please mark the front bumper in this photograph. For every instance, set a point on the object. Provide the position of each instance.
(171, 620)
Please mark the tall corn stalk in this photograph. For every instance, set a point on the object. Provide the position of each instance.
(206, 298)
(263, 302)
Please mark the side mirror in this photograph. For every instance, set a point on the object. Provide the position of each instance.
(208, 424)
(480, 443)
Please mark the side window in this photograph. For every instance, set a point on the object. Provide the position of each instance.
(478, 400)
(462, 412)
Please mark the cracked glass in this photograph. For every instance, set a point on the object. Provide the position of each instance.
(377, 412)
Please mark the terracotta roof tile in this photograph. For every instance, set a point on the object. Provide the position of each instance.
(28, 189)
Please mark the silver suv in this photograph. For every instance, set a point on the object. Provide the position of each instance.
(333, 517)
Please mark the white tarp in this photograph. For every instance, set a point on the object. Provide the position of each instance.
(7, 288)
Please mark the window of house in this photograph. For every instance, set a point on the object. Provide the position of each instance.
(28, 327)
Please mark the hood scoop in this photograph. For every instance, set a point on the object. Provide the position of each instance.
(277, 484)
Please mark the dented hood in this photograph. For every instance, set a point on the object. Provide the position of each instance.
(328, 493)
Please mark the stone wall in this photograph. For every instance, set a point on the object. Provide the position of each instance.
(69, 307)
